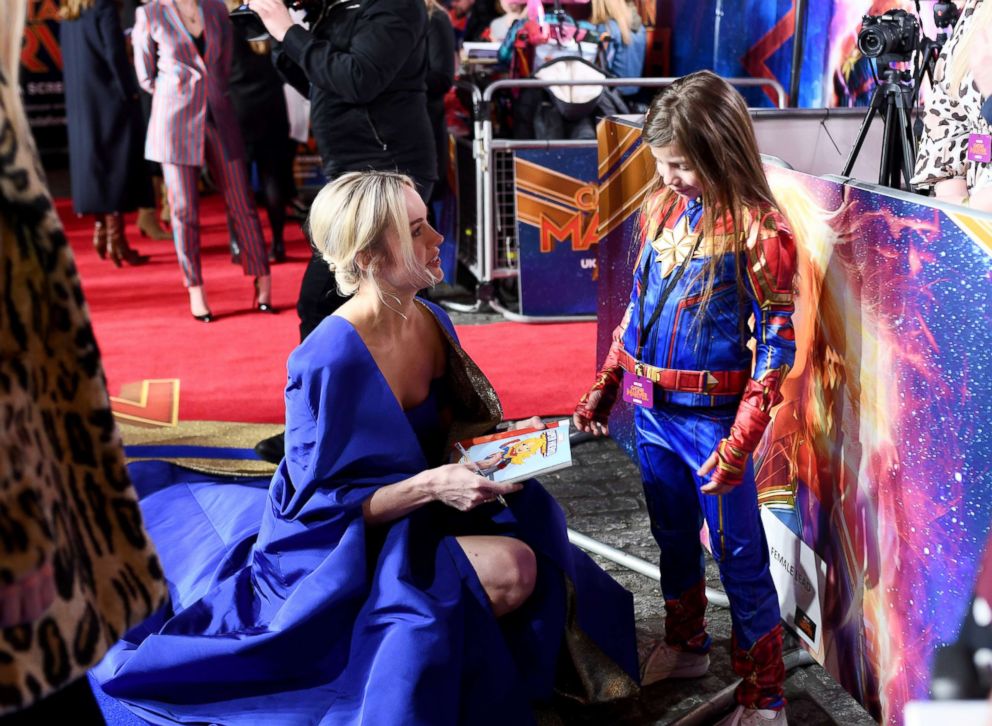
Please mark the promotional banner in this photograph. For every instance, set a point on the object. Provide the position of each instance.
(557, 212)
(41, 81)
(878, 459)
(754, 38)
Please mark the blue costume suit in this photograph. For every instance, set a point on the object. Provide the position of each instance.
(676, 435)
(289, 609)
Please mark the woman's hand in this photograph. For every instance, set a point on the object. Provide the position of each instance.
(587, 424)
(534, 422)
(712, 487)
(27, 599)
(274, 15)
(459, 486)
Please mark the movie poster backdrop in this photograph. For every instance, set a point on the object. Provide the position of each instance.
(877, 464)
(41, 81)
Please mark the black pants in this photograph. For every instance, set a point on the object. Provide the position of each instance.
(73, 704)
(318, 293)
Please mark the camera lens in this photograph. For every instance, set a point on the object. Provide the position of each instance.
(871, 42)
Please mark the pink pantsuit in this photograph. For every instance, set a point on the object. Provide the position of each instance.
(193, 122)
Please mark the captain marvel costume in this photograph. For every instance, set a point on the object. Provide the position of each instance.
(707, 398)
(287, 608)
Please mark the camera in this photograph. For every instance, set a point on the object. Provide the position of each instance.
(892, 36)
(945, 14)
(244, 17)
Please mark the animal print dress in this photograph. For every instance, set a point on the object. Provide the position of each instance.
(65, 496)
(949, 119)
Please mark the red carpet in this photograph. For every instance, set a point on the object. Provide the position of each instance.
(234, 368)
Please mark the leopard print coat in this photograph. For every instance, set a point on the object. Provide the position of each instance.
(949, 118)
(65, 496)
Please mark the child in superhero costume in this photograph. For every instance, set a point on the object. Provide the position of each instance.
(714, 252)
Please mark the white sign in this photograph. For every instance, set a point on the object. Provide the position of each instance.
(799, 577)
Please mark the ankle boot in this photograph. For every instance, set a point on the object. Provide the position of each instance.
(278, 251)
(100, 236)
(120, 250)
(148, 225)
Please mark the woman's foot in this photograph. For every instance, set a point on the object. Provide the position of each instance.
(263, 294)
(277, 253)
(198, 304)
(148, 225)
(120, 250)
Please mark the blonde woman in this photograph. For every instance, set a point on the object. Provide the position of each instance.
(954, 113)
(76, 567)
(379, 584)
(620, 22)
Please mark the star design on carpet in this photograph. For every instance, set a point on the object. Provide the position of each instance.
(673, 246)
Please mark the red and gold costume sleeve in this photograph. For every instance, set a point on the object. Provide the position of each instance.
(771, 269)
(607, 380)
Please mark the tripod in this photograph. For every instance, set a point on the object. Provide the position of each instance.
(893, 99)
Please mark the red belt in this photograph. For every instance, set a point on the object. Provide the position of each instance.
(710, 383)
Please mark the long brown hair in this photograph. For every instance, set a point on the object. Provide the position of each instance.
(703, 117)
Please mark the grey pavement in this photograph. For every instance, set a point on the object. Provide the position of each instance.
(602, 499)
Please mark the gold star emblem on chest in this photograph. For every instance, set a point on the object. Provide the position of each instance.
(674, 245)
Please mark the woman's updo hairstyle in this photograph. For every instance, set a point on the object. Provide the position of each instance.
(349, 222)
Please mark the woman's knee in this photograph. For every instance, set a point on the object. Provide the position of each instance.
(516, 570)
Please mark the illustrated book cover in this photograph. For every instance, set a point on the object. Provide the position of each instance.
(512, 456)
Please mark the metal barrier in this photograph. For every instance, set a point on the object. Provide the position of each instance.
(496, 207)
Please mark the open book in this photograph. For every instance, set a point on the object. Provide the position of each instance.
(512, 456)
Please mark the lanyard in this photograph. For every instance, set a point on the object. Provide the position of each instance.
(642, 329)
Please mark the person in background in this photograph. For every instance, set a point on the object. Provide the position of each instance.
(106, 132)
(76, 567)
(715, 251)
(440, 78)
(470, 19)
(260, 105)
(363, 66)
(182, 54)
(619, 23)
(510, 12)
(961, 91)
(150, 219)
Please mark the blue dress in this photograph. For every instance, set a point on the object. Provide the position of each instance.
(288, 609)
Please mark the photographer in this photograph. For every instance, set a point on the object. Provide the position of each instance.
(955, 115)
(363, 66)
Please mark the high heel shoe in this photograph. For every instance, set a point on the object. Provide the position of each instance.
(277, 253)
(100, 237)
(148, 225)
(120, 250)
(263, 307)
(198, 299)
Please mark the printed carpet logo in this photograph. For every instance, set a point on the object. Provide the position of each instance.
(152, 403)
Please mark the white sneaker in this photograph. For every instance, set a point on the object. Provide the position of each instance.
(667, 662)
(743, 716)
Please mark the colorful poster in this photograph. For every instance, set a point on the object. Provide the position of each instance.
(878, 460)
(557, 218)
(754, 39)
(41, 81)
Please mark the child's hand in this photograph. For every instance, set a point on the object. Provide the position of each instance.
(534, 422)
(712, 488)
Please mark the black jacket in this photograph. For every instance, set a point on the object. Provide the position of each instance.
(366, 62)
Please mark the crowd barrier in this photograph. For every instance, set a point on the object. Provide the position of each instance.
(493, 251)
